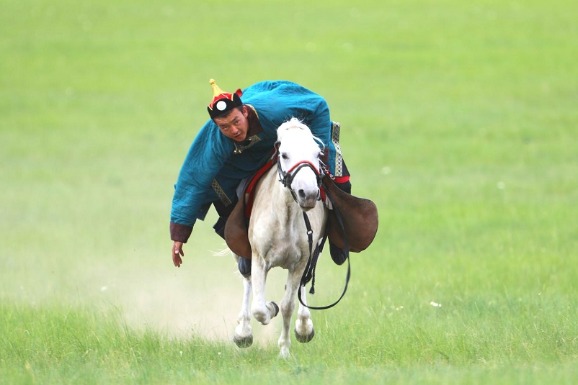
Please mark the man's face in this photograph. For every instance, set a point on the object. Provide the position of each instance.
(235, 125)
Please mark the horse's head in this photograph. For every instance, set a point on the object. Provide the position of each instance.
(299, 164)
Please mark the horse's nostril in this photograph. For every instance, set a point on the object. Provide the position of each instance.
(301, 193)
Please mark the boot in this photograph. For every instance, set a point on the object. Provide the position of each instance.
(338, 254)
(244, 265)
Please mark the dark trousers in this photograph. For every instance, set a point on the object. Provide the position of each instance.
(224, 212)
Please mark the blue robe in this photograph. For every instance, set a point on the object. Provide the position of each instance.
(212, 170)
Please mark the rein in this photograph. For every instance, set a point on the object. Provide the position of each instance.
(309, 273)
(286, 178)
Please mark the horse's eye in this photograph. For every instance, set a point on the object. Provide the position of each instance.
(284, 156)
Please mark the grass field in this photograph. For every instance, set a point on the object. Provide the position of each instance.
(459, 121)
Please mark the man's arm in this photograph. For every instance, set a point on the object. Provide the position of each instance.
(205, 158)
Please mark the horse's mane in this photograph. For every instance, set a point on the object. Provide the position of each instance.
(296, 125)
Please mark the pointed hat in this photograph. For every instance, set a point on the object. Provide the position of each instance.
(223, 102)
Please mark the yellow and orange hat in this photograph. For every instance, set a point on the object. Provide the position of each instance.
(223, 102)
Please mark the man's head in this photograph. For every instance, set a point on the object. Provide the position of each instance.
(234, 124)
(229, 113)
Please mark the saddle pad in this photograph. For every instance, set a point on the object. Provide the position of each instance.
(249, 194)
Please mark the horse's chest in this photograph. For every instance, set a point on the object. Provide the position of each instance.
(283, 250)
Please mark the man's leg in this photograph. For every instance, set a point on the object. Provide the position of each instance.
(244, 264)
(338, 254)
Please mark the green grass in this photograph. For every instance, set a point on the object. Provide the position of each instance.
(459, 121)
(520, 341)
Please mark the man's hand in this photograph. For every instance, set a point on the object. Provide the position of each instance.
(177, 252)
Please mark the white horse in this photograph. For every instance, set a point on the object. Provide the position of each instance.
(278, 234)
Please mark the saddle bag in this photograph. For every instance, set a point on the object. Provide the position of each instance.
(353, 221)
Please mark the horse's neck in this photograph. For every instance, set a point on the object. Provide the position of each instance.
(280, 198)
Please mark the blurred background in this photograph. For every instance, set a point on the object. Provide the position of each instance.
(459, 120)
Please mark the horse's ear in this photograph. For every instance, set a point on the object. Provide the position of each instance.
(320, 143)
(275, 155)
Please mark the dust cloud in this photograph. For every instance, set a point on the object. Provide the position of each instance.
(202, 298)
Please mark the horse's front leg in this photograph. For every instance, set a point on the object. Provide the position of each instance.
(304, 331)
(303, 326)
(287, 307)
(243, 337)
(262, 311)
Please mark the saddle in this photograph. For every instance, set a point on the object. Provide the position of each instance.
(351, 224)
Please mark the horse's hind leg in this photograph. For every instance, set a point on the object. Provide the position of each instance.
(243, 333)
(304, 331)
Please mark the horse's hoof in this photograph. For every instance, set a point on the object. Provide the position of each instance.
(243, 342)
(284, 353)
(304, 339)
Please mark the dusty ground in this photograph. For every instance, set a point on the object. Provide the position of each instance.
(200, 298)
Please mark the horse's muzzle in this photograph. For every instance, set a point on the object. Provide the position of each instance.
(307, 201)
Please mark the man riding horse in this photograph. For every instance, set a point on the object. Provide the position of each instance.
(236, 142)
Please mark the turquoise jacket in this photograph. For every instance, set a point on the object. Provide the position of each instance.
(213, 168)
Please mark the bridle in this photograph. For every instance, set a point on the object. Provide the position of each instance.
(287, 177)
